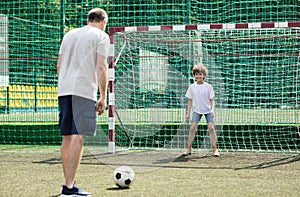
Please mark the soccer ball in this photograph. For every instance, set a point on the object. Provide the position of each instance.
(123, 176)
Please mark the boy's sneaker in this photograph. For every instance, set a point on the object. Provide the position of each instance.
(186, 153)
(216, 154)
(74, 192)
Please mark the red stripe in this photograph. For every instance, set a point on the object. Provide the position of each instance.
(142, 28)
(241, 26)
(112, 30)
(111, 38)
(294, 24)
(216, 26)
(267, 25)
(111, 135)
(166, 27)
(111, 60)
(111, 87)
(191, 27)
(111, 110)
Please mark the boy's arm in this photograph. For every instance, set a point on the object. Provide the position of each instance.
(190, 103)
(212, 106)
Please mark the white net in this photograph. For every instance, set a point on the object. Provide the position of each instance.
(254, 73)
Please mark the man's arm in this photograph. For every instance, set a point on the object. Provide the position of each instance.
(102, 74)
(58, 64)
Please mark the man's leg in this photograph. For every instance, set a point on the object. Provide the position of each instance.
(71, 154)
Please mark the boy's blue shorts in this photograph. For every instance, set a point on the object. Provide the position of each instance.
(197, 117)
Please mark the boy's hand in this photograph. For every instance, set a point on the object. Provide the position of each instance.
(187, 118)
(212, 114)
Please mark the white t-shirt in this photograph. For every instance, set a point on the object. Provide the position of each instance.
(201, 94)
(79, 50)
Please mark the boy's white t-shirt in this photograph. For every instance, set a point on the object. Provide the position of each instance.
(201, 94)
(79, 50)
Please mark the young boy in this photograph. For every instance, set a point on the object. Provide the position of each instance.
(202, 95)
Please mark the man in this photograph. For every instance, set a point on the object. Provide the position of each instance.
(82, 69)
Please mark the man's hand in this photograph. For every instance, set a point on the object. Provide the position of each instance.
(101, 106)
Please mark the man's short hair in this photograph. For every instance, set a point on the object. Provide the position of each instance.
(97, 15)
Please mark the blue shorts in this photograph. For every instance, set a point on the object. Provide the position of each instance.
(197, 117)
(77, 115)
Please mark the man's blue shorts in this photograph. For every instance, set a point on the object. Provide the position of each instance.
(197, 117)
(77, 115)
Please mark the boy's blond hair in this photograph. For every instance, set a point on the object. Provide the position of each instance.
(200, 68)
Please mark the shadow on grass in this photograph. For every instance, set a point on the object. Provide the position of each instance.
(117, 188)
(52, 161)
(227, 164)
(58, 195)
(277, 162)
(188, 158)
(57, 160)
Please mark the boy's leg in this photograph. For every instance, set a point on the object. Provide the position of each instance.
(193, 128)
(212, 133)
(213, 136)
(192, 133)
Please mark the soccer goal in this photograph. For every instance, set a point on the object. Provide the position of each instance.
(254, 69)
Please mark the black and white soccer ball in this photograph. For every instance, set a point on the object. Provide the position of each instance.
(123, 176)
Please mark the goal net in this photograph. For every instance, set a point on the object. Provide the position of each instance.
(253, 68)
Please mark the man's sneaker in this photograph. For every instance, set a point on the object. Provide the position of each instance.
(186, 153)
(74, 192)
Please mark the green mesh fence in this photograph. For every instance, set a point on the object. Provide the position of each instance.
(259, 69)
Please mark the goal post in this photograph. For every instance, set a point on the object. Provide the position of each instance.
(253, 67)
(4, 76)
(3, 51)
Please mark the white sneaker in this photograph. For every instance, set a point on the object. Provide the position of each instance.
(216, 154)
(186, 153)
